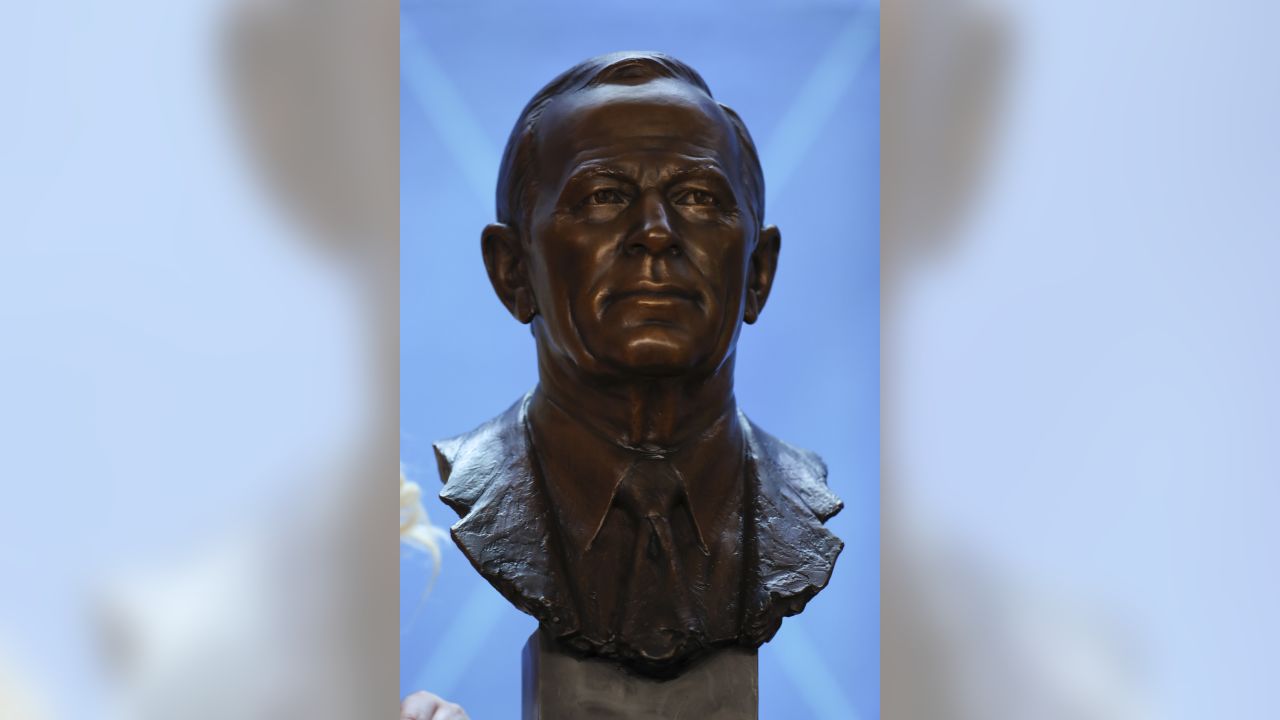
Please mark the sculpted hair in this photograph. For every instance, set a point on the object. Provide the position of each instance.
(517, 174)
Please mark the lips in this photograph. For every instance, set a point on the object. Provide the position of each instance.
(652, 293)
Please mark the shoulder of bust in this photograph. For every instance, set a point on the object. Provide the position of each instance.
(470, 462)
(792, 471)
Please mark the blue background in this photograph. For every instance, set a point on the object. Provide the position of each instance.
(805, 78)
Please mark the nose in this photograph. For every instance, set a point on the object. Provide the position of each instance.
(653, 234)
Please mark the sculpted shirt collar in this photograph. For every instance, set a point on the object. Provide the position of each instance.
(583, 469)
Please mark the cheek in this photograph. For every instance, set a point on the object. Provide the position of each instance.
(571, 263)
(722, 260)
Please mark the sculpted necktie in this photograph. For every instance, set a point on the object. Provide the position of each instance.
(657, 617)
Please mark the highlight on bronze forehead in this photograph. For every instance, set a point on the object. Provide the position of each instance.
(642, 69)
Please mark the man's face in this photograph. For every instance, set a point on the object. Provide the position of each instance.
(640, 230)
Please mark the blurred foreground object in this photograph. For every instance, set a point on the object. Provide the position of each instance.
(19, 698)
(427, 706)
(293, 618)
(201, 332)
(961, 638)
(416, 529)
(1079, 388)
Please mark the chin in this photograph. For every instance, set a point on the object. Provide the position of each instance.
(656, 353)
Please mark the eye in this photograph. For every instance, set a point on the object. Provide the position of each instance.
(607, 196)
(697, 198)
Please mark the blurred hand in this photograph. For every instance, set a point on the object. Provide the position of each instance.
(423, 705)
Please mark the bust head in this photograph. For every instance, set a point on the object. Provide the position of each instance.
(630, 227)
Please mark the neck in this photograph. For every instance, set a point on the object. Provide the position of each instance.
(652, 413)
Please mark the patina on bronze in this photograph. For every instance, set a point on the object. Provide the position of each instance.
(626, 502)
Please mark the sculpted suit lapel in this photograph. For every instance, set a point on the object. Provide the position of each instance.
(789, 551)
(488, 475)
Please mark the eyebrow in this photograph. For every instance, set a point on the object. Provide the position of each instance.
(596, 169)
(700, 170)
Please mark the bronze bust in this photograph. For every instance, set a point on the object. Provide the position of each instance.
(626, 502)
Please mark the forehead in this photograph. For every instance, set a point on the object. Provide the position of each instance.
(660, 116)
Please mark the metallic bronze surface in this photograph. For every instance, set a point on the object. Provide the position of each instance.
(626, 502)
(558, 686)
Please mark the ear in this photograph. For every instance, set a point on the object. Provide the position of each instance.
(764, 264)
(504, 260)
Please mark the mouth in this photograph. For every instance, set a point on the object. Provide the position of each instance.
(653, 294)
